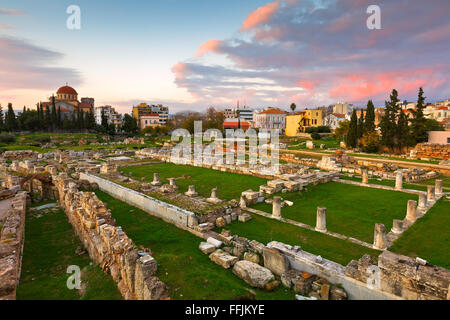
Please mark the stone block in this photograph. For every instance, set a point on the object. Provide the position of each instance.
(275, 261)
(253, 274)
(223, 259)
(207, 247)
(252, 257)
(214, 242)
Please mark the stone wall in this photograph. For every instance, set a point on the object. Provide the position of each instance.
(412, 279)
(431, 150)
(133, 270)
(391, 276)
(11, 246)
(160, 209)
(402, 276)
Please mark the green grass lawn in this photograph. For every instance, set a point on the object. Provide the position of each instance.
(230, 185)
(300, 143)
(188, 272)
(50, 247)
(431, 182)
(351, 210)
(389, 183)
(265, 230)
(429, 237)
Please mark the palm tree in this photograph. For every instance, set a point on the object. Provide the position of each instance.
(238, 113)
(293, 107)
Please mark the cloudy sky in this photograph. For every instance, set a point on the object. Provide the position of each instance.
(191, 54)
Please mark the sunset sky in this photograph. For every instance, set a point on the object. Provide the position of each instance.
(191, 54)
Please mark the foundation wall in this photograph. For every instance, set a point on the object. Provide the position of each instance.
(12, 235)
(160, 209)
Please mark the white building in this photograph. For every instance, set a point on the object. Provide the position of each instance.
(333, 120)
(343, 108)
(111, 115)
(271, 118)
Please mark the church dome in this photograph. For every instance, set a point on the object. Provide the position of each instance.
(66, 90)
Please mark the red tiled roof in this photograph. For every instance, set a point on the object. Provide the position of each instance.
(272, 111)
(67, 90)
(84, 105)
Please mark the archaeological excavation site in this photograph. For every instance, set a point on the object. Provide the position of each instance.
(141, 224)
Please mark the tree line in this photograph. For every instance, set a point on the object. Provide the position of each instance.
(398, 130)
(52, 120)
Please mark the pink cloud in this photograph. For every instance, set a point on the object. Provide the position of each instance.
(260, 15)
(179, 69)
(11, 12)
(210, 45)
(364, 87)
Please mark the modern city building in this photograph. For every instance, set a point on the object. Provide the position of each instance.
(149, 112)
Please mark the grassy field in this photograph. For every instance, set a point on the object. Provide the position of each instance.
(230, 185)
(389, 183)
(189, 273)
(351, 210)
(265, 230)
(50, 247)
(34, 141)
(300, 143)
(429, 237)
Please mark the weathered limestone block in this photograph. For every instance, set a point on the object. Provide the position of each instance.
(438, 187)
(213, 199)
(303, 284)
(146, 267)
(223, 259)
(220, 222)
(207, 247)
(288, 276)
(431, 193)
(244, 217)
(214, 242)
(276, 208)
(155, 289)
(242, 202)
(365, 176)
(253, 274)
(404, 277)
(321, 219)
(191, 192)
(252, 257)
(399, 180)
(411, 212)
(256, 246)
(156, 181)
(422, 201)
(275, 261)
(397, 226)
(380, 241)
(129, 261)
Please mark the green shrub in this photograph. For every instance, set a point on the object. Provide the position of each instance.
(315, 136)
(43, 139)
(7, 138)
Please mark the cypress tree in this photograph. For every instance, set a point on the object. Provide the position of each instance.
(419, 122)
(1, 119)
(47, 118)
(11, 121)
(360, 128)
(352, 137)
(59, 118)
(369, 123)
(389, 127)
(403, 130)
